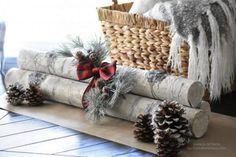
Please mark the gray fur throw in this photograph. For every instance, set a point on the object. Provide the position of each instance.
(209, 27)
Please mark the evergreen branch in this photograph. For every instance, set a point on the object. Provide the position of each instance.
(98, 47)
(97, 106)
(123, 83)
(120, 84)
(76, 42)
(65, 48)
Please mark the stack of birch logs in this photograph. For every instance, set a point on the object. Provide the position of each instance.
(59, 83)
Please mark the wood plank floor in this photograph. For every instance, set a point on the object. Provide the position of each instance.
(22, 136)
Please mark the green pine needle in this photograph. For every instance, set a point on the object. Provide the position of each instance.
(65, 48)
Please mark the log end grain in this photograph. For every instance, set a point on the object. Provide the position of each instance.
(200, 124)
(205, 106)
(195, 93)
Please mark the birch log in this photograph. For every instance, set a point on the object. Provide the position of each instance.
(50, 63)
(70, 92)
(168, 87)
(205, 106)
(148, 83)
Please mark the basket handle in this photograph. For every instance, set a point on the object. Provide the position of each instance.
(115, 2)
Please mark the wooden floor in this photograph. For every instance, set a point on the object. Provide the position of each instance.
(22, 136)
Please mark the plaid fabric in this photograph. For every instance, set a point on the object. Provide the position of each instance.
(87, 70)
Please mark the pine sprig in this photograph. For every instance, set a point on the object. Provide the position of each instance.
(98, 50)
(123, 82)
(97, 107)
(76, 42)
(95, 48)
(120, 84)
(65, 48)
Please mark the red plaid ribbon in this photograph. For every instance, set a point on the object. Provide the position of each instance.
(87, 69)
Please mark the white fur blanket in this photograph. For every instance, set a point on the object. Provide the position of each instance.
(208, 26)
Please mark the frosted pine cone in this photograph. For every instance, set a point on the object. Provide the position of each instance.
(167, 146)
(169, 124)
(15, 94)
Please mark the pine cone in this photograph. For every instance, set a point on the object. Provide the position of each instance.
(171, 129)
(100, 83)
(143, 129)
(167, 146)
(15, 94)
(33, 95)
(93, 56)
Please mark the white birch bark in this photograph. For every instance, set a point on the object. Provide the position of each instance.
(70, 92)
(50, 63)
(149, 84)
(184, 91)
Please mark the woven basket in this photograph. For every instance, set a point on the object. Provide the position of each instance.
(137, 41)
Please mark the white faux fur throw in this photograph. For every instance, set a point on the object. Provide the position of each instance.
(209, 27)
(142, 6)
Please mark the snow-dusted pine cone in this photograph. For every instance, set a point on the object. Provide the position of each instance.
(171, 129)
(33, 96)
(15, 94)
(167, 146)
(143, 129)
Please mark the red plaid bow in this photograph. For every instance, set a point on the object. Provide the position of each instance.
(87, 69)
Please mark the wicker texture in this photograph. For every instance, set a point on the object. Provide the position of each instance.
(137, 41)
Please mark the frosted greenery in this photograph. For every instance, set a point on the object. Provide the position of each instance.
(96, 46)
(65, 48)
(120, 84)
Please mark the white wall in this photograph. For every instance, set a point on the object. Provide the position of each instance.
(42, 24)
